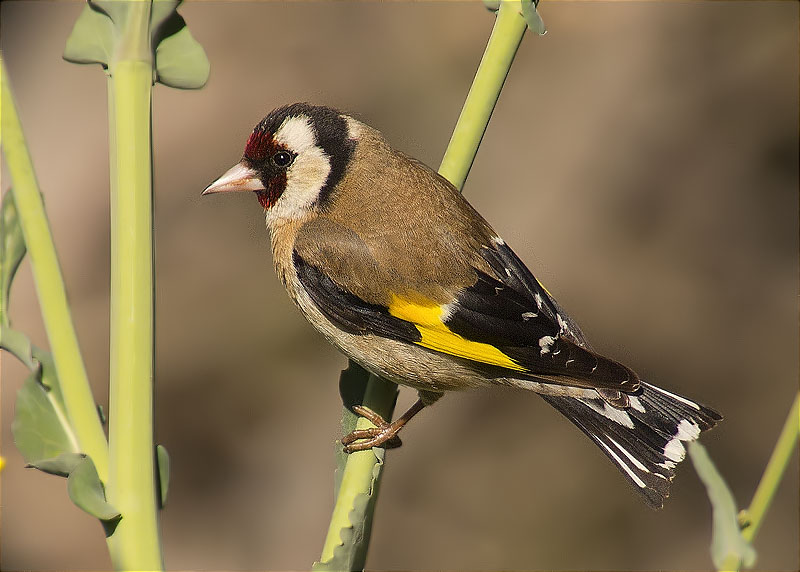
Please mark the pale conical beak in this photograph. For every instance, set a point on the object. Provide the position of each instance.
(240, 177)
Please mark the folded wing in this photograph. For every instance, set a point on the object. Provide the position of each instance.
(505, 323)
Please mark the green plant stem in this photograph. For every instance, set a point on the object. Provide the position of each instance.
(507, 34)
(135, 544)
(358, 473)
(78, 400)
(770, 480)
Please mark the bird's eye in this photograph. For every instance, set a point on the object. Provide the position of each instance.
(282, 159)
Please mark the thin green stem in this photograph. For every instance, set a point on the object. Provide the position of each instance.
(78, 400)
(507, 34)
(776, 466)
(358, 473)
(135, 544)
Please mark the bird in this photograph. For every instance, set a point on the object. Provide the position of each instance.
(392, 265)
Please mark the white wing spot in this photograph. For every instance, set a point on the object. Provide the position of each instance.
(538, 299)
(545, 343)
(635, 403)
(528, 315)
(447, 311)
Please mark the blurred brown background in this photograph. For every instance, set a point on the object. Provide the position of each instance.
(642, 160)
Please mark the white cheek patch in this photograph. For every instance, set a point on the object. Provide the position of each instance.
(304, 180)
(307, 174)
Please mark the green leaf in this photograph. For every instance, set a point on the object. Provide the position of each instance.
(532, 18)
(92, 38)
(12, 251)
(99, 35)
(60, 466)
(161, 11)
(49, 377)
(87, 492)
(729, 549)
(40, 427)
(18, 344)
(162, 459)
(115, 10)
(181, 61)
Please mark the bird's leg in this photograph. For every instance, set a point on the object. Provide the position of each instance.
(383, 434)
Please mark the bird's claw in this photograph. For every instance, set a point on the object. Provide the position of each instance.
(384, 434)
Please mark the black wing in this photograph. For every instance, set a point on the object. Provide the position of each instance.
(514, 313)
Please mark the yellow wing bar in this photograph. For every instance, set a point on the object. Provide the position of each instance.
(427, 318)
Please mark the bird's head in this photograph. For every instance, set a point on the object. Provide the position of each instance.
(293, 159)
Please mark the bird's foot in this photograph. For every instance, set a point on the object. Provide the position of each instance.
(384, 434)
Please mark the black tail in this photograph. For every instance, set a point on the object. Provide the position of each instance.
(644, 440)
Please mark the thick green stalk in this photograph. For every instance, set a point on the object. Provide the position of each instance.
(778, 461)
(135, 544)
(483, 94)
(75, 388)
(506, 36)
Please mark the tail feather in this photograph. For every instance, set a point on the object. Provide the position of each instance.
(645, 439)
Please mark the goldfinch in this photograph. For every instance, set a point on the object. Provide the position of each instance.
(395, 268)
